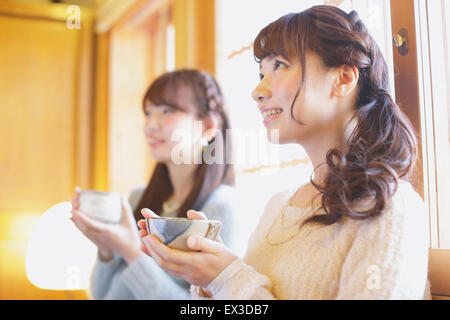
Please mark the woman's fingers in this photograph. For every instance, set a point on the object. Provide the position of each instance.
(203, 244)
(151, 251)
(89, 233)
(168, 254)
(192, 214)
(126, 207)
(127, 218)
(142, 228)
(167, 265)
(76, 197)
(147, 213)
(145, 250)
(91, 224)
(141, 224)
(142, 233)
(77, 222)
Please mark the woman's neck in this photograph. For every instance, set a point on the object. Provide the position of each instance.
(317, 150)
(330, 138)
(182, 179)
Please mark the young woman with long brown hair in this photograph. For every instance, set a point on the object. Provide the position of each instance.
(180, 101)
(358, 229)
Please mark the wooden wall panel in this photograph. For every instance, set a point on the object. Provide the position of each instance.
(45, 128)
(37, 115)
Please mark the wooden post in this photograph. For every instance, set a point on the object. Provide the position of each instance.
(194, 34)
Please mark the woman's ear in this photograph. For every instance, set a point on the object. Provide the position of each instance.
(346, 80)
(210, 126)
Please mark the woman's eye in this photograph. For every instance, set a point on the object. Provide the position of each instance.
(261, 76)
(278, 64)
(167, 111)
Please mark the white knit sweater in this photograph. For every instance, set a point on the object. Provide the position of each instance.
(385, 257)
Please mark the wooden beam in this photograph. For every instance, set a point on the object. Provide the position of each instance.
(53, 12)
(111, 12)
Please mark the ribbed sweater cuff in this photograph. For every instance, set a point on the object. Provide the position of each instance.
(219, 282)
(111, 264)
(216, 285)
(102, 274)
(238, 281)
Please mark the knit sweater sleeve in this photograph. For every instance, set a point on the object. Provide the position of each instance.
(102, 275)
(147, 281)
(388, 258)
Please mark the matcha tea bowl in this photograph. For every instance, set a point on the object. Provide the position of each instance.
(174, 232)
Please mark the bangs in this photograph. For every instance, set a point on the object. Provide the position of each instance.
(284, 37)
(165, 91)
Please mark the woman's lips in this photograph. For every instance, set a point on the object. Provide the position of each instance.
(154, 142)
(268, 119)
(271, 113)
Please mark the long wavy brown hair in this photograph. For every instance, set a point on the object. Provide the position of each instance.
(382, 147)
(208, 99)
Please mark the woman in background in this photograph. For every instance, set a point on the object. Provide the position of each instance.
(358, 229)
(175, 105)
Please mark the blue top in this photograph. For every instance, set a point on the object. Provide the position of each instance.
(143, 279)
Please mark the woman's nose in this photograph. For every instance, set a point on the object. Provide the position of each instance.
(261, 92)
(151, 124)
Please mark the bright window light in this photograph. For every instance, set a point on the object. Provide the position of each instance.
(59, 256)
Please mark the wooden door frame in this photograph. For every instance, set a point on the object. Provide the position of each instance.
(416, 93)
(406, 70)
(413, 92)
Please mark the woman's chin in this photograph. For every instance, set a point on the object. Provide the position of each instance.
(161, 158)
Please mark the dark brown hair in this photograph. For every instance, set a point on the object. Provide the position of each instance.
(207, 97)
(382, 147)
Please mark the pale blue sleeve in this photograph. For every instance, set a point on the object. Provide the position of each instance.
(102, 276)
(148, 281)
(143, 278)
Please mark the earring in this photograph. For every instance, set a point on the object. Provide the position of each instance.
(205, 143)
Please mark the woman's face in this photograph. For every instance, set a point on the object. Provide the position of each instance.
(314, 107)
(167, 128)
